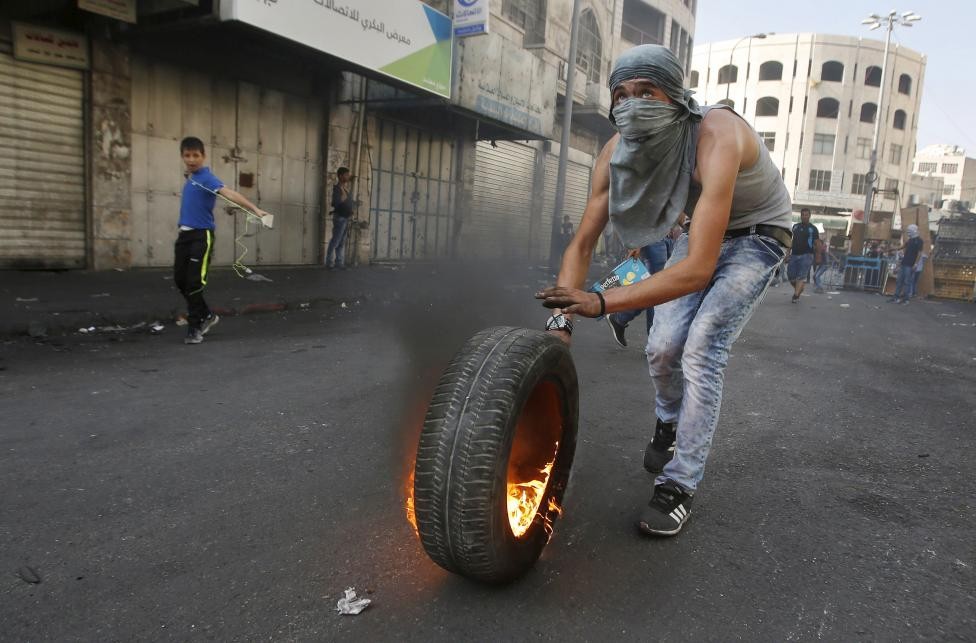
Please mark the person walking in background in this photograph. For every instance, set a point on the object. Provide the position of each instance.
(341, 213)
(653, 256)
(821, 261)
(805, 236)
(911, 257)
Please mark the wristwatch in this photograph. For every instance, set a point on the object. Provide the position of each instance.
(559, 321)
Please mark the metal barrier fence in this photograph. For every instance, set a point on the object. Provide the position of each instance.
(865, 273)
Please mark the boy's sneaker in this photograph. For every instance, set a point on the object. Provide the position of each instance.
(660, 449)
(193, 336)
(209, 323)
(667, 511)
(617, 330)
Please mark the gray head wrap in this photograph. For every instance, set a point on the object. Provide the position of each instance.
(651, 167)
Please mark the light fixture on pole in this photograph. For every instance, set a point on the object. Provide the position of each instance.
(874, 21)
(732, 53)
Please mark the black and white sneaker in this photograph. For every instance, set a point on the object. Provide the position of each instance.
(193, 336)
(667, 511)
(209, 323)
(617, 330)
(660, 449)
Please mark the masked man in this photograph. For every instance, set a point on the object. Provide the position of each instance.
(671, 156)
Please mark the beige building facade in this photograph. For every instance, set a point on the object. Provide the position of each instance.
(813, 98)
(956, 171)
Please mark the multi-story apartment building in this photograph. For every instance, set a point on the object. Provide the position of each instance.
(957, 171)
(813, 98)
(452, 139)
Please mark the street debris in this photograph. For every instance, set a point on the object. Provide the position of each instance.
(102, 294)
(349, 604)
(27, 299)
(28, 575)
(845, 305)
(36, 329)
(304, 305)
(343, 306)
(156, 328)
(257, 277)
(90, 329)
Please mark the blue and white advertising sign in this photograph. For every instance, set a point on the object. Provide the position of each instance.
(470, 17)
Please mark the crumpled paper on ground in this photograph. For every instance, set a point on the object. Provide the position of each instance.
(349, 604)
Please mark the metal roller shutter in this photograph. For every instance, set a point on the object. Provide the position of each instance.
(42, 186)
(577, 194)
(501, 201)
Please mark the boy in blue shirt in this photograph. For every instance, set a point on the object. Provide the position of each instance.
(194, 245)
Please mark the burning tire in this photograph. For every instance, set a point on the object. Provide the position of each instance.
(495, 453)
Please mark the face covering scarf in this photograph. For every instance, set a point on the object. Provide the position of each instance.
(650, 169)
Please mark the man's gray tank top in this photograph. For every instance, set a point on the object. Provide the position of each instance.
(759, 195)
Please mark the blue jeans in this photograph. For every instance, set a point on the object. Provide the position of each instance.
(818, 273)
(338, 242)
(688, 347)
(654, 256)
(905, 284)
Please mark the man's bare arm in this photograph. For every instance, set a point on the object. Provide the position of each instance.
(721, 148)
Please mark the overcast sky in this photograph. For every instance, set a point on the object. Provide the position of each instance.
(946, 35)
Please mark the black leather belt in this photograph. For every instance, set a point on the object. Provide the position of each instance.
(781, 235)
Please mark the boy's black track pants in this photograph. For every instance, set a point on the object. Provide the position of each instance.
(193, 251)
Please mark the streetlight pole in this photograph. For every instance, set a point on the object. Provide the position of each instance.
(555, 248)
(876, 22)
(732, 53)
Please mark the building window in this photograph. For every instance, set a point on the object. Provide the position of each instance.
(900, 117)
(950, 168)
(771, 70)
(642, 24)
(868, 112)
(823, 144)
(891, 187)
(863, 148)
(728, 74)
(872, 76)
(828, 108)
(905, 84)
(832, 71)
(727, 101)
(589, 56)
(767, 106)
(680, 44)
(694, 79)
(530, 15)
(948, 190)
(820, 180)
(859, 184)
(928, 167)
(769, 138)
(894, 154)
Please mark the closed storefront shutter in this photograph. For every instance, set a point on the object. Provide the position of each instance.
(261, 142)
(42, 187)
(499, 222)
(412, 194)
(577, 193)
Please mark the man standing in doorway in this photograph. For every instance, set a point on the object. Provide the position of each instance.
(341, 213)
(805, 236)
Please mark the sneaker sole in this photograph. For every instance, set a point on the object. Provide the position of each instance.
(645, 529)
(613, 333)
(207, 327)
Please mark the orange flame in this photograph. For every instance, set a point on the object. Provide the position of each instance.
(411, 516)
(524, 499)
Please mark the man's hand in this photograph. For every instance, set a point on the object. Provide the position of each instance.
(633, 253)
(571, 301)
(562, 335)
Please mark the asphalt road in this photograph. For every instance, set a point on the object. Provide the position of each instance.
(233, 490)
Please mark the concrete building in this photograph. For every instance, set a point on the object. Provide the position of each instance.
(452, 141)
(813, 98)
(925, 189)
(957, 171)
